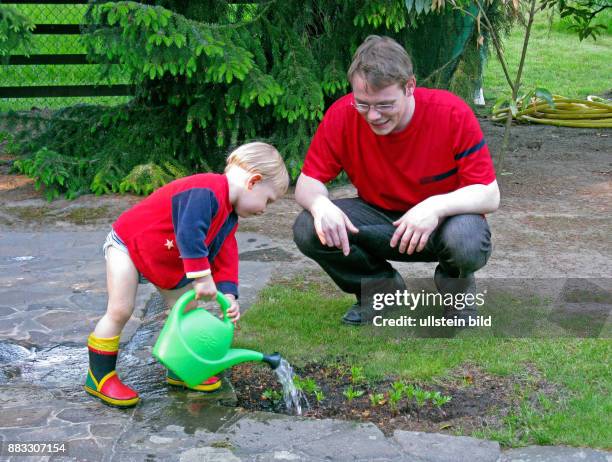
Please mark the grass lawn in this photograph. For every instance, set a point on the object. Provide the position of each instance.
(556, 60)
(302, 323)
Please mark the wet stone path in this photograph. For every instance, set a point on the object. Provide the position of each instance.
(51, 294)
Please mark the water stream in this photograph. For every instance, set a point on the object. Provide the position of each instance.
(292, 396)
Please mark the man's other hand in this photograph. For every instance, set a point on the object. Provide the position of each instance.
(414, 228)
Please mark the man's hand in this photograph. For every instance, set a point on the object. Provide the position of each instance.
(414, 228)
(234, 310)
(205, 287)
(331, 224)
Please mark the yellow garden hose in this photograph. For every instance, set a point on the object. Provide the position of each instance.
(594, 112)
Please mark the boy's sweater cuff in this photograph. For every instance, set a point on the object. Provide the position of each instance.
(198, 274)
(227, 287)
(196, 267)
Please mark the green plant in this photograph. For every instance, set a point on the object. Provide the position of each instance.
(56, 172)
(395, 397)
(306, 385)
(376, 399)
(421, 396)
(409, 391)
(209, 76)
(398, 386)
(15, 31)
(505, 106)
(439, 400)
(581, 14)
(319, 395)
(357, 375)
(351, 394)
(273, 396)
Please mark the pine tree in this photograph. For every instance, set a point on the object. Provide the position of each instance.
(210, 75)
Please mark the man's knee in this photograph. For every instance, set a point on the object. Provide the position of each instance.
(304, 233)
(466, 241)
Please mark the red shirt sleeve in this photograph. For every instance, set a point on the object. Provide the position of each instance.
(322, 160)
(472, 155)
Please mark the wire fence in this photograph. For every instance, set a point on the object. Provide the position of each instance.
(56, 40)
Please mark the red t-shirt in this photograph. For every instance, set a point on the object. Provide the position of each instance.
(441, 150)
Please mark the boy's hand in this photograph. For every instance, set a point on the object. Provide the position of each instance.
(234, 310)
(205, 287)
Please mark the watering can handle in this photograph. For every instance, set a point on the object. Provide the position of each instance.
(189, 296)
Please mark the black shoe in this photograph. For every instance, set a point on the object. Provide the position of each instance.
(466, 315)
(358, 315)
(447, 284)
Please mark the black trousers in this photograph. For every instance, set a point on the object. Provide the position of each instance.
(461, 245)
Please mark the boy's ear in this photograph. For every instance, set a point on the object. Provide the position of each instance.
(253, 180)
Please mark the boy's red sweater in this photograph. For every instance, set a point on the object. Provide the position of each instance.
(185, 228)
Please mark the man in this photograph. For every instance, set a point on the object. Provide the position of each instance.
(423, 174)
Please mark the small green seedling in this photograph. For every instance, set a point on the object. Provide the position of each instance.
(319, 395)
(394, 399)
(376, 399)
(297, 383)
(421, 396)
(409, 391)
(439, 399)
(352, 394)
(272, 395)
(305, 385)
(357, 375)
(399, 387)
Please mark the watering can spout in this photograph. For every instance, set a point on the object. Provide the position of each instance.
(273, 360)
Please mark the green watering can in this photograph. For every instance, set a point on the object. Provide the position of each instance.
(197, 345)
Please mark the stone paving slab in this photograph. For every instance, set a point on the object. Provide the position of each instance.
(555, 454)
(435, 447)
(259, 436)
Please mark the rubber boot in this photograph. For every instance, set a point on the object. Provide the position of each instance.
(211, 384)
(102, 380)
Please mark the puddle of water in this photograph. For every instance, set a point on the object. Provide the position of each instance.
(11, 352)
(24, 258)
(292, 396)
(192, 411)
(57, 366)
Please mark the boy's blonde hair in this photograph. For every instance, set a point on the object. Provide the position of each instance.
(262, 158)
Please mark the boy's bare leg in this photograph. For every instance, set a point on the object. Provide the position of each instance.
(103, 343)
(171, 296)
(122, 283)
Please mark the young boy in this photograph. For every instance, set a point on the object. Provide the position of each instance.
(182, 235)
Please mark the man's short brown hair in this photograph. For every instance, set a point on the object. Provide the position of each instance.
(381, 61)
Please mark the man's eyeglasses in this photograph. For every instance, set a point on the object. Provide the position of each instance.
(365, 108)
